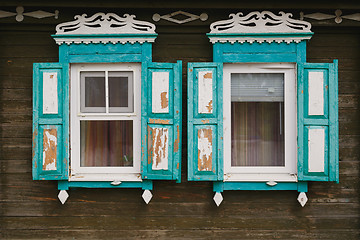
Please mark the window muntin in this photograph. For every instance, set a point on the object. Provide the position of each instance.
(259, 114)
(104, 137)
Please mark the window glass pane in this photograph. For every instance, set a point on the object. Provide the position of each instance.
(257, 119)
(106, 143)
(120, 92)
(253, 87)
(92, 91)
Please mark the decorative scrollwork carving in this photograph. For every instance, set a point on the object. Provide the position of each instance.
(101, 23)
(260, 22)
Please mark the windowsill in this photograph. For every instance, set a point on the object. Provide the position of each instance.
(259, 177)
(133, 177)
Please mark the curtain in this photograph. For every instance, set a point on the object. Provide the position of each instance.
(106, 143)
(257, 134)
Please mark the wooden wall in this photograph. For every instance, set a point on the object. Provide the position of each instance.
(30, 209)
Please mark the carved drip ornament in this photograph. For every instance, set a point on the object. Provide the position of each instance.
(170, 17)
(105, 28)
(19, 15)
(254, 26)
(338, 17)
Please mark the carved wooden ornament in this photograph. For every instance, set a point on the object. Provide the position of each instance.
(105, 28)
(254, 26)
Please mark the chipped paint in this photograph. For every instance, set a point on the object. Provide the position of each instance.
(164, 100)
(149, 144)
(205, 83)
(160, 92)
(208, 75)
(209, 106)
(158, 148)
(50, 149)
(205, 121)
(159, 121)
(34, 144)
(205, 142)
(177, 165)
(177, 140)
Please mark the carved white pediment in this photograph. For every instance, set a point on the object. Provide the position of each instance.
(109, 26)
(262, 24)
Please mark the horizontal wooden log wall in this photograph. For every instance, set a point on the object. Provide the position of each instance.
(30, 209)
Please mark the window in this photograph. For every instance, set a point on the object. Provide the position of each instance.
(259, 122)
(105, 122)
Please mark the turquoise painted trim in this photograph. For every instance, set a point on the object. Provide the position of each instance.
(248, 186)
(198, 121)
(256, 48)
(302, 186)
(64, 53)
(178, 119)
(218, 186)
(328, 121)
(57, 121)
(171, 120)
(300, 120)
(312, 121)
(65, 185)
(146, 52)
(51, 121)
(144, 119)
(93, 58)
(167, 122)
(334, 123)
(301, 52)
(218, 52)
(139, 35)
(261, 57)
(259, 52)
(100, 49)
(105, 53)
(201, 121)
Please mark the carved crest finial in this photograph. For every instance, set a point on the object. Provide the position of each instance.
(260, 22)
(101, 23)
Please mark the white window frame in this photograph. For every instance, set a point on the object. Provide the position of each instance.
(78, 173)
(286, 173)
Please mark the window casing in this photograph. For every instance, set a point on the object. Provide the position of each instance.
(105, 105)
(266, 95)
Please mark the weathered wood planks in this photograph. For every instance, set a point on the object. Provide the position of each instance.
(30, 209)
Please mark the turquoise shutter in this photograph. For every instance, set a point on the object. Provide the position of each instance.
(205, 122)
(50, 121)
(161, 121)
(318, 144)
